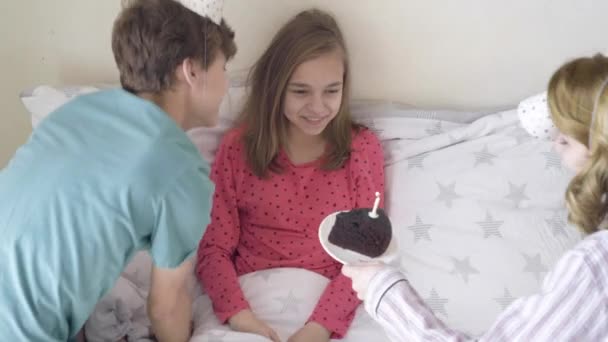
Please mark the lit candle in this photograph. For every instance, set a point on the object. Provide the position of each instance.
(374, 212)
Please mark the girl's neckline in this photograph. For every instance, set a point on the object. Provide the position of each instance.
(284, 157)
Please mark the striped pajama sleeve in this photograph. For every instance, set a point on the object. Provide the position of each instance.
(571, 305)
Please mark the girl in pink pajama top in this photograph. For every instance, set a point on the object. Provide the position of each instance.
(294, 158)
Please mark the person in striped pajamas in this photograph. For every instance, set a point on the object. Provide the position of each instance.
(572, 304)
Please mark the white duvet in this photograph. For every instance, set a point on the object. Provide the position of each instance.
(284, 299)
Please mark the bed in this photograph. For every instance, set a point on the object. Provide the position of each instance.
(476, 204)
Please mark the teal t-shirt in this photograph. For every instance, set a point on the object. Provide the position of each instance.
(102, 177)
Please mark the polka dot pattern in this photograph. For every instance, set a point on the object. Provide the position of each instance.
(535, 117)
(258, 223)
(211, 9)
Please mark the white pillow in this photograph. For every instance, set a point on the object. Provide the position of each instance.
(40, 101)
(206, 139)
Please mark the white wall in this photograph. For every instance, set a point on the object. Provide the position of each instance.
(51, 42)
(459, 54)
(465, 53)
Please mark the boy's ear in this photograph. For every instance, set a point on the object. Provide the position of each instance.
(187, 71)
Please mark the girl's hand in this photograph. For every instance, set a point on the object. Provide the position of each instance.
(245, 321)
(311, 332)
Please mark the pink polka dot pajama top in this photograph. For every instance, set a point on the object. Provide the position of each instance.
(258, 224)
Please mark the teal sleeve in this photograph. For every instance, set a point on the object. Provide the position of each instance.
(182, 216)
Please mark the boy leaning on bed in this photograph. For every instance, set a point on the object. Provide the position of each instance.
(112, 173)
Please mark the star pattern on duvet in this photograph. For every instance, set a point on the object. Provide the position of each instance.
(447, 193)
(552, 160)
(463, 268)
(289, 303)
(437, 303)
(420, 229)
(534, 265)
(490, 226)
(484, 157)
(426, 115)
(557, 224)
(505, 300)
(517, 194)
(417, 161)
(435, 129)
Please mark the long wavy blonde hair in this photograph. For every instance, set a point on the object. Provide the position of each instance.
(577, 93)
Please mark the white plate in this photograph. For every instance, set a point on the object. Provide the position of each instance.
(348, 257)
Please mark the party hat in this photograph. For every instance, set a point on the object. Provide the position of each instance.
(211, 9)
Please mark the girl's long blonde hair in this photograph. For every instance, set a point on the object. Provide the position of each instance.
(578, 100)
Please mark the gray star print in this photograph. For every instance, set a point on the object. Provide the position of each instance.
(553, 160)
(420, 229)
(490, 226)
(505, 300)
(484, 157)
(447, 194)
(416, 161)
(289, 303)
(557, 224)
(534, 265)
(426, 115)
(463, 268)
(436, 303)
(517, 194)
(436, 129)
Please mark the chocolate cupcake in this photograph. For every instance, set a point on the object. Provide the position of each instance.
(355, 230)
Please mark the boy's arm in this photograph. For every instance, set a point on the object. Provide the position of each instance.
(181, 217)
(170, 303)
